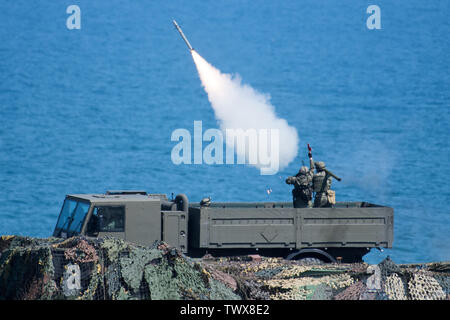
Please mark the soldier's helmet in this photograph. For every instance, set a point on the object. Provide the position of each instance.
(205, 202)
(320, 165)
(303, 170)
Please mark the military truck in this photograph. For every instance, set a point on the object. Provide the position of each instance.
(344, 232)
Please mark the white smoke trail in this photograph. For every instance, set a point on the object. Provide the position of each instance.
(239, 106)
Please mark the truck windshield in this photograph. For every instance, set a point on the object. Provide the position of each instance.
(72, 216)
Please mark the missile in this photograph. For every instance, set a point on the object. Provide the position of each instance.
(182, 35)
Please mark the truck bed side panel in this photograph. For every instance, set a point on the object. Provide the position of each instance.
(345, 227)
(247, 227)
(250, 227)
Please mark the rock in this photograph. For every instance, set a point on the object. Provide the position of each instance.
(255, 257)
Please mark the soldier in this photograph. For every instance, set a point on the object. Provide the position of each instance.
(302, 181)
(321, 186)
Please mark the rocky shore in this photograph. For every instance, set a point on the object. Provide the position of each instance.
(111, 269)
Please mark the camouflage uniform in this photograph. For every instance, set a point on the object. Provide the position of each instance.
(321, 185)
(302, 181)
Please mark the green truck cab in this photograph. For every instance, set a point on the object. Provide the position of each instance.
(345, 232)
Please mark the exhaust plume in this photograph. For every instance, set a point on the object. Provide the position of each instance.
(239, 106)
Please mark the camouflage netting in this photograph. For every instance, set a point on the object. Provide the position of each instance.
(88, 269)
(278, 279)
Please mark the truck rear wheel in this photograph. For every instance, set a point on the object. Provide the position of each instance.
(311, 256)
(307, 261)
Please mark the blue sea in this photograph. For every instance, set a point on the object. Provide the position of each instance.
(93, 109)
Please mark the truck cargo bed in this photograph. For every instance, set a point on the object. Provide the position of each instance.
(279, 225)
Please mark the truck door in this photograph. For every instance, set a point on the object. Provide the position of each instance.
(175, 227)
(107, 220)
